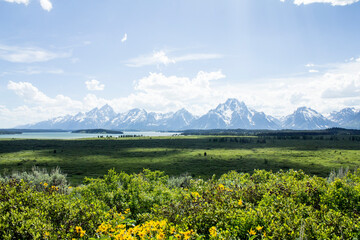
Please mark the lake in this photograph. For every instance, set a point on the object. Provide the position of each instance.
(69, 135)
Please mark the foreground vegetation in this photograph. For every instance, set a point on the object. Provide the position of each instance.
(315, 155)
(152, 205)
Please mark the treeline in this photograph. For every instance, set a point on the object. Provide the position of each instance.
(15, 130)
(285, 133)
(99, 131)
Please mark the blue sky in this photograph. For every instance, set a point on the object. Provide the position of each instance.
(62, 57)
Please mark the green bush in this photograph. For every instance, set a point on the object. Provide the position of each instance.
(264, 205)
(38, 177)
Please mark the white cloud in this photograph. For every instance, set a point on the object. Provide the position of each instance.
(313, 71)
(26, 2)
(94, 85)
(45, 4)
(309, 65)
(38, 106)
(156, 58)
(160, 57)
(124, 38)
(28, 92)
(195, 57)
(28, 54)
(332, 2)
(33, 71)
(160, 93)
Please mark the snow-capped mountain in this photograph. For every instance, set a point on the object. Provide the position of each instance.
(234, 114)
(182, 119)
(229, 115)
(96, 118)
(105, 117)
(134, 119)
(347, 117)
(307, 119)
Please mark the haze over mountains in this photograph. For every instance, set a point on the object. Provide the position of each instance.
(232, 114)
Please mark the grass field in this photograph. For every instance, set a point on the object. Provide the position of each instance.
(178, 155)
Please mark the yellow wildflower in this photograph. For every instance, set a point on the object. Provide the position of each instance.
(80, 231)
(240, 202)
(221, 187)
(195, 194)
(213, 231)
(259, 228)
(161, 235)
(252, 232)
(187, 234)
(45, 184)
(46, 234)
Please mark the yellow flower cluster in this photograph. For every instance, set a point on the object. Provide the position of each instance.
(195, 194)
(80, 231)
(148, 230)
(45, 184)
(252, 232)
(46, 235)
(213, 231)
(186, 235)
(221, 187)
(54, 188)
(258, 228)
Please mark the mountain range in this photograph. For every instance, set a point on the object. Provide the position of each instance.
(232, 114)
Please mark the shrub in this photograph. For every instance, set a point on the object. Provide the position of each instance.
(148, 205)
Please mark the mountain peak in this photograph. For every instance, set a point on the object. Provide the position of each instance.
(305, 118)
(304, 109)
(137, 110)
(234, 102)
(182, 110)
(106, 107)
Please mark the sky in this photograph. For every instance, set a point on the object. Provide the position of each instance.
(62, 57)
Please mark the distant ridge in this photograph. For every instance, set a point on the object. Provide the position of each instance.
(232, 114)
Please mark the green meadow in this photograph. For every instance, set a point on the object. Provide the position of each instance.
(180, 154)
